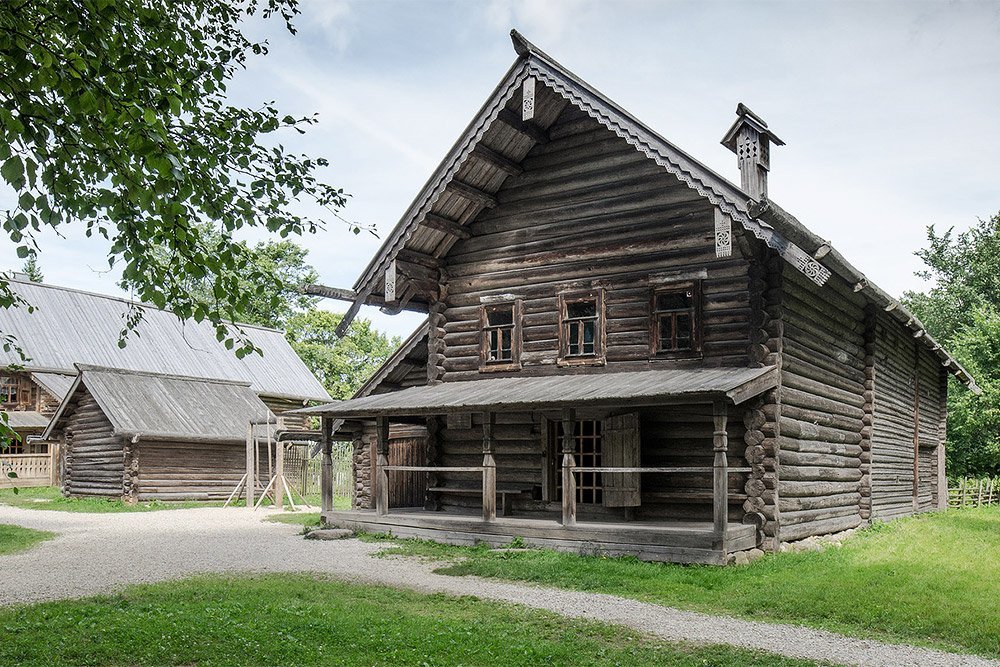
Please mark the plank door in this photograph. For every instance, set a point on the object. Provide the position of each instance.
(621, 450)
(407, 447)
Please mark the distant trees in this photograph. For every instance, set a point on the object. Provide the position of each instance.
(962, 310)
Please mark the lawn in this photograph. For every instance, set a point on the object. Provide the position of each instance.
(50, 498)
(932, 579)
(303, 620)
(16, 538)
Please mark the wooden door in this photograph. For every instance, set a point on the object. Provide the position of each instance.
(407, 447)
(621, 450)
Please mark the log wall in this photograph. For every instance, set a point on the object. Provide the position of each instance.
(281, 405)
(189, 471)
(588, 210)
(910, 384)
(822, 410)
(94, 456)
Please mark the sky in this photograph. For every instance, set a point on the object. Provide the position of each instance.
(889, 109)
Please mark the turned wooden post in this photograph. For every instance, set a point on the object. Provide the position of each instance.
(720, 495)
(251, 480)
(489, 470)
(381, 461)
(568, 461)
(326, 481)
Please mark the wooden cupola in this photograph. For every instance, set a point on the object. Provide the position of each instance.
(750, 139)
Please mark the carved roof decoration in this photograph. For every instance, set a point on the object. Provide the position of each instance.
(489, 149)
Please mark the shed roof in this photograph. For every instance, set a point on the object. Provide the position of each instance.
(155, 406)
(25, 419)
(633, 387)
(57, 384)
(68, 326)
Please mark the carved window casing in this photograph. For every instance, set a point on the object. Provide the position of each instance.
(500, 342)
(676, 320)
(581, 327)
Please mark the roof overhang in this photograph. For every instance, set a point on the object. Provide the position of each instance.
(631, 388)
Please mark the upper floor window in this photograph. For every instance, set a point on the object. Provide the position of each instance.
(676, 315)
(501, 333)
(581, 327)
(8, 389)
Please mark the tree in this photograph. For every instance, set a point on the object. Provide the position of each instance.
(31, 268)
(114, 116)
(279, 300)
(961, 311)
(341, 364)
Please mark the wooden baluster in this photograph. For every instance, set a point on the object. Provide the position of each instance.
(489, 470)
(720, 497)
(568, 478)
(381, 461)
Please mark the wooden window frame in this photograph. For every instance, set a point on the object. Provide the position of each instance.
(695, 351)
(11, 383)
(512, 364)
(599, 357)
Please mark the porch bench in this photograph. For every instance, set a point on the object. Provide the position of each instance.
(502, 493)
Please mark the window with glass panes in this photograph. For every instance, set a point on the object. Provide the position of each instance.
(8, 389)
(587, 452)
(675, 320)
(498, 333)
(581, 322)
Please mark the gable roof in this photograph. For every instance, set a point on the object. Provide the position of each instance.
(494, 143)
(157, 406)
(68, 327)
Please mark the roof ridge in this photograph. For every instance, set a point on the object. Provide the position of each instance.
(90, 368)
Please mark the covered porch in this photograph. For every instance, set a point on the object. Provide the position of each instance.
(586, 463)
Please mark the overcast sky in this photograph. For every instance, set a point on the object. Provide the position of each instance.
(889, 109)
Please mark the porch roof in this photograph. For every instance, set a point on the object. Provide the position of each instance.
(571, 390)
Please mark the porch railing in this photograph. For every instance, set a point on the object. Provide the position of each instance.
(30, 470)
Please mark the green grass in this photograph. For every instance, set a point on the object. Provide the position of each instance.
(16, 538)
(304, 519)
(51, 498)
(932, 579)
(303, 620)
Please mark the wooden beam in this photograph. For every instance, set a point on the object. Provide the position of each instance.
(489, 470)
(527, 128)
(341, 294)
(445, 225)
(414, 257)
(381, 461)
(720, 495)
(494, 159)
(471, 193)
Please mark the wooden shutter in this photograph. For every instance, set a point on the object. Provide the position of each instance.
(620, 448)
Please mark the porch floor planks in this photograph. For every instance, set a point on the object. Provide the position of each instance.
(671, 541)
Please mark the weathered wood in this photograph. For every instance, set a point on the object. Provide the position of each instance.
(381, 476)
(326, 443)
(527, 128)
(720, 484)
(446, 225)
(568, 461)
(472, 194)
(489, 470)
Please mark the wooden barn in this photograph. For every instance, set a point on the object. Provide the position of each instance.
(149, 436)
(628, 354)
(68, 327)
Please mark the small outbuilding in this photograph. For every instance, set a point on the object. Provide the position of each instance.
(150, 436)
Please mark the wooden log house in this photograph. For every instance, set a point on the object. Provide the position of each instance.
(150, 436)
(628, 354)
(67, 327)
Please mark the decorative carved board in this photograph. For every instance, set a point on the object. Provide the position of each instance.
(723, 234)
(528, 99)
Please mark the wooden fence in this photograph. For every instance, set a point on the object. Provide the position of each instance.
(969, 492)
(30, 470)
(306, 473)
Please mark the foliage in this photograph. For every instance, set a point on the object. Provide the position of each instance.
(32, 269)
(974, 421)
(114, 116)
(268, 305)
(960, 311)
(341, 364)
(302, 620)
(15, 538)
(930, 579)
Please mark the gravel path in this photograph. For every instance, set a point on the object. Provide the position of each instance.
(101, 553)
